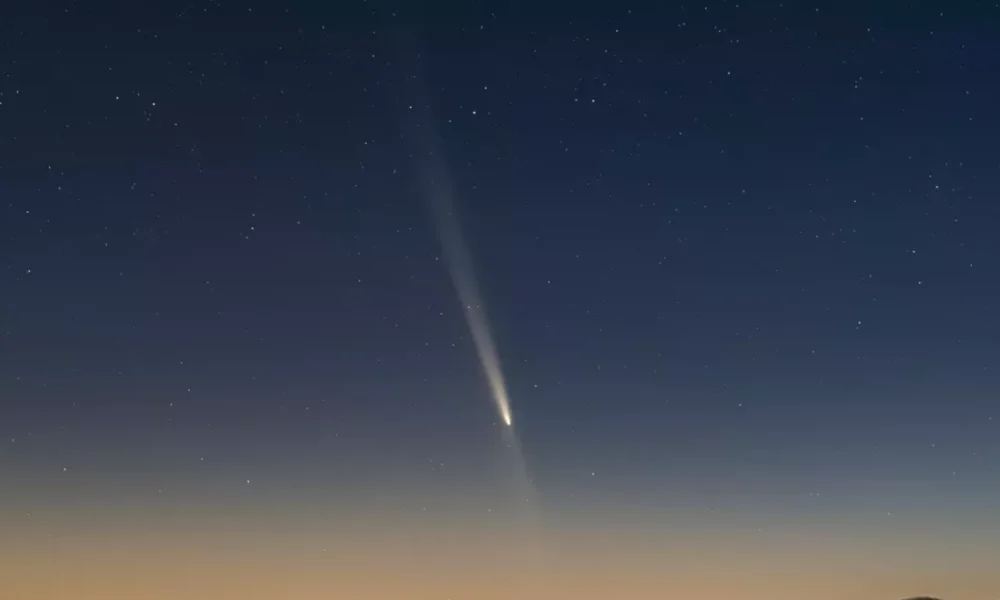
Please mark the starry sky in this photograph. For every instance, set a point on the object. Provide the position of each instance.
(739, 261)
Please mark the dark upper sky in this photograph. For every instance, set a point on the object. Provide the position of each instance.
(759, 238)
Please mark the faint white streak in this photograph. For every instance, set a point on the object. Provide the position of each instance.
(432, 168)
(463, 276)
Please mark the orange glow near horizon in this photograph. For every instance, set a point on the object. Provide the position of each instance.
(464, 562)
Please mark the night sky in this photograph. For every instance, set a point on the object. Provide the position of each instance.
(741, 264)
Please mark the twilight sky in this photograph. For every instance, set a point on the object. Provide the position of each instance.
(740, 261)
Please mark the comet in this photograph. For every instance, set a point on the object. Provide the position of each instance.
(460, 267)
(435, 177)
(411, 95)
(433, 171)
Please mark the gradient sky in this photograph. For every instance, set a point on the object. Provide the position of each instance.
(741, 263)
